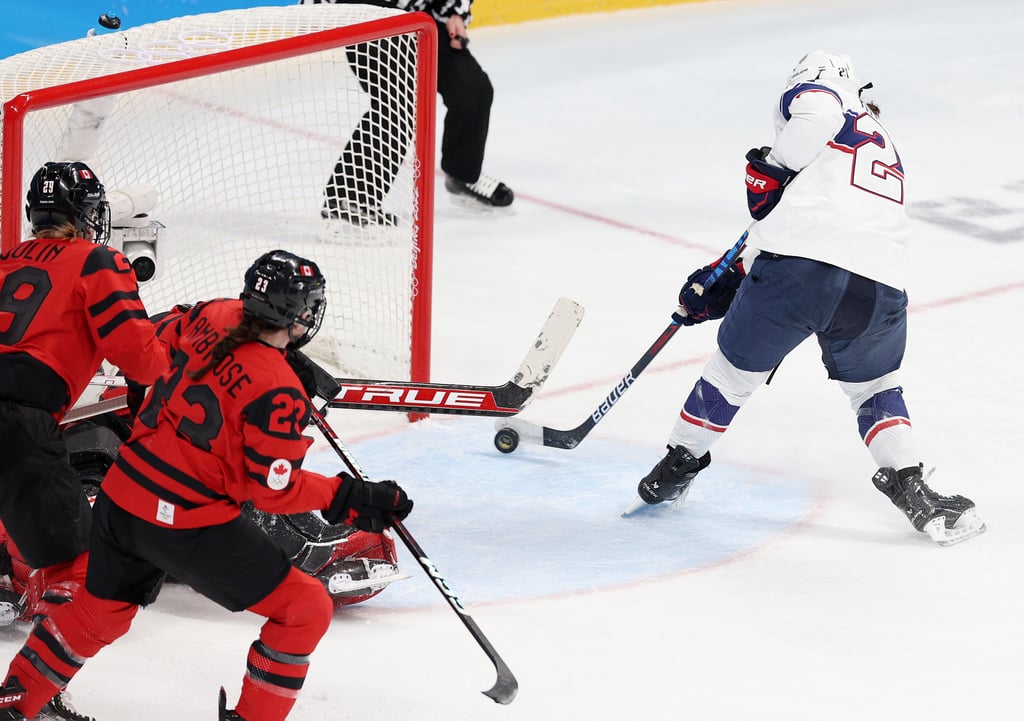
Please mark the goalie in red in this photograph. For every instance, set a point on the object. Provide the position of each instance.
(224, 426)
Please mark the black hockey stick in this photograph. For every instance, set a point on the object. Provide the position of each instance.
(505, 687)
(511, 431)
(413, 397)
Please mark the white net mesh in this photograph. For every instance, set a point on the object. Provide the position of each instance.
(251, 159)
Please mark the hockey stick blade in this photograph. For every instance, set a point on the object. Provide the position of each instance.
(511, 432)
(503, 400)
(505, 686)
(80, 413)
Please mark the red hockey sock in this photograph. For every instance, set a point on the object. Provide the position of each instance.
(298, 613)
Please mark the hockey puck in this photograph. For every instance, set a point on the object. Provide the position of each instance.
(506, 440)
(110, 22)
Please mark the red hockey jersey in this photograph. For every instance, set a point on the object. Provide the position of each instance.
(201, 448)
(68, 304)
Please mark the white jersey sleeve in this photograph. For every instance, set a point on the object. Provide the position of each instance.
(814, 118)
(846, 205)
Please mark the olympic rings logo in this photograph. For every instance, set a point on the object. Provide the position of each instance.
(188, 44)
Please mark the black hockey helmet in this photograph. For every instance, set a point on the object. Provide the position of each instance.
(283, 289)
(68, 192)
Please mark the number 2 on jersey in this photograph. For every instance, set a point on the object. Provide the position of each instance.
(877, 168)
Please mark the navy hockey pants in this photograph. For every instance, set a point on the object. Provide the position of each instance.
(860, 324)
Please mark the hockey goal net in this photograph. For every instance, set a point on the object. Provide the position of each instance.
(220, 136)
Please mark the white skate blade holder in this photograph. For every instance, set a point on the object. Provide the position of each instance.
(379, 576)
(966, 527)
(639, 503)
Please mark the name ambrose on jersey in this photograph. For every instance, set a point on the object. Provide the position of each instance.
(229, 373)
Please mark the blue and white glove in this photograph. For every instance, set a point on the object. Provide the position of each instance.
(698, 302)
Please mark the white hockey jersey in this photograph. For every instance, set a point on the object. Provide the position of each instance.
(846, 206)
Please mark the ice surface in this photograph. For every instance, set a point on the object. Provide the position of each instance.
(787, 587)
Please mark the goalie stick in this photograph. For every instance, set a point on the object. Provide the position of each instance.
(505, 686)
(511, 431)
(414, 397)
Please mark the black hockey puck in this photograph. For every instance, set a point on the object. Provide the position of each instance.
(506, 440)
(110, 22)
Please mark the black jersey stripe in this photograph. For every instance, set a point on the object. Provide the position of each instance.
(110, 326)
(266, 461)
(157, 490)
(175, 474)
(102, 306)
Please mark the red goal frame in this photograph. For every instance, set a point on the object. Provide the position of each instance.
(17, 109)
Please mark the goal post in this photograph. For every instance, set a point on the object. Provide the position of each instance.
(225, 135)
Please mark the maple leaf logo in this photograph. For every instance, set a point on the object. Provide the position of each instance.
(279, 475)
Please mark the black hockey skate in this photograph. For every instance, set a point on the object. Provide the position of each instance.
(356, 213)
(59, 708)
(946, 519)
(670, 479)
(12, 692)
(223, 712)
(486, 191)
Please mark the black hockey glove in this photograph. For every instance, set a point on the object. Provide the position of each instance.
(134, 397)
(367, 505)
(698, 303)
(765, 183)
(302, 369)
